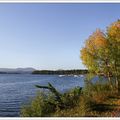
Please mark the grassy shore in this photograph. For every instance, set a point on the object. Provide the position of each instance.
(94, 100)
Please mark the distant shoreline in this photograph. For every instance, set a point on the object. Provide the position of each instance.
(60, 72)
(48, 72)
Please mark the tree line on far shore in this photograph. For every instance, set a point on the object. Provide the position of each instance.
(60, 72)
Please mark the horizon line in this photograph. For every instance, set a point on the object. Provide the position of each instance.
(40, 69)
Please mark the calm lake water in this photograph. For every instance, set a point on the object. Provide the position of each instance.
(18, 89)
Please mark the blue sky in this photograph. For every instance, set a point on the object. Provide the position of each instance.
(49, 36)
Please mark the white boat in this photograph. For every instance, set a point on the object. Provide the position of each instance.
(70, 75)
(81, 75)
(76, 76)
(61, 75)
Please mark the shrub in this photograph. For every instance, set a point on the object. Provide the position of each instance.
(47, 104)
(40, 106)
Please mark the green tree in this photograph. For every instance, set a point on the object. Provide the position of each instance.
(113, 37)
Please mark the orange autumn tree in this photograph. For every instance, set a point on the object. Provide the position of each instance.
(101, 52)
(94, 50)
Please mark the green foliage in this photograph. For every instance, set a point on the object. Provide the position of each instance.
(113, 37)
(99, 86)
(40, 106)
(78, 110)
(71, 98)
(53, 90)
(47, 104)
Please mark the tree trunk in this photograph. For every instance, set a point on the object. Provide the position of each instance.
(116, 83)
(118, 86)
(117, 77)
(109, 79)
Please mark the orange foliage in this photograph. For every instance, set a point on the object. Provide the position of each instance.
(96, 41)
(114, 31)
(93, 45)
(101, 50)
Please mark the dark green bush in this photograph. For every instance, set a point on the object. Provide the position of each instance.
(40, 106)
(46, 104)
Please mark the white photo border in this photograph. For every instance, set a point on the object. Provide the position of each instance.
(59, 1)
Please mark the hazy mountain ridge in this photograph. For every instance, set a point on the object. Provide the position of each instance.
(17, 70)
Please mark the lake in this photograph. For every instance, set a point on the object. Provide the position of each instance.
(18, 89)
